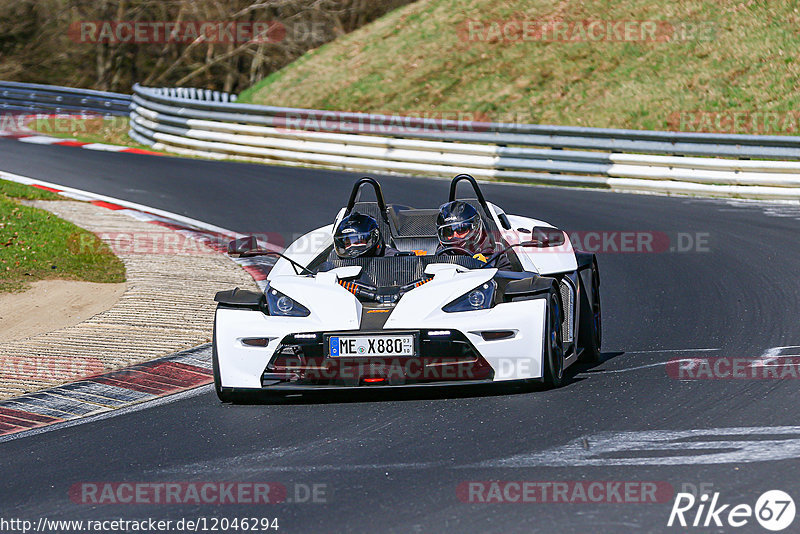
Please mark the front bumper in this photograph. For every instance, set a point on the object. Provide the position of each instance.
(243, 366)
(440, 356)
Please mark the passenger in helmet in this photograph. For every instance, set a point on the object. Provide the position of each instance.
(358, 235)
(460, 225)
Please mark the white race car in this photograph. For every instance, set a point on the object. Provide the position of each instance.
(423, 316)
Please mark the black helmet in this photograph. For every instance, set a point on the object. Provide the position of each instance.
(459, 225)
(358, 235)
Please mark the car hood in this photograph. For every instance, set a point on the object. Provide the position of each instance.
(331, 304)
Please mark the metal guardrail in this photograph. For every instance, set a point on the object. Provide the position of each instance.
(192, 122)
(192, 93)
(572, 137)
(212, 124)
(37, 98)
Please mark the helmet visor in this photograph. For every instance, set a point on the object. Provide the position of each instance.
(457, 232)
(354, 244)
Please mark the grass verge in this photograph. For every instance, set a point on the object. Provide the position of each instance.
(37, 245)
(725, 56)
(110, 130)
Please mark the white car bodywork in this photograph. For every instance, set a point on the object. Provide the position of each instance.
(335, 309)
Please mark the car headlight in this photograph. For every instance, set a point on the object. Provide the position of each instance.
(479, 298)
(281, 305)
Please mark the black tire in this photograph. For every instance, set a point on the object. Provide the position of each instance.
(554, 342)
(224, 394)
(590, 335)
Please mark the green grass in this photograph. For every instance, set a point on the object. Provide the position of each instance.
(25, 192)
(414, 61)
(37, 245)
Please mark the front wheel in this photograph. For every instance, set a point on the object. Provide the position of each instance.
(591, 320)
(224, 394)
(554, 344)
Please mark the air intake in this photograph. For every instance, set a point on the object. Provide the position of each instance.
(568, 302)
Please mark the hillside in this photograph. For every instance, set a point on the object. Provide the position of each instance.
(723, 59)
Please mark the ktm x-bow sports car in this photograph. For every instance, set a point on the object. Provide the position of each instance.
(424, 315)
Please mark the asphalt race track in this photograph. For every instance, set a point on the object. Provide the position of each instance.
(394, 462)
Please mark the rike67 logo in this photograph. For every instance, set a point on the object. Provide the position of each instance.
(774, 510)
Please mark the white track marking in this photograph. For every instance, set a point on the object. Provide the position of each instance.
(658, 364)
(679, 447)
(266, 460)
(76, 196)
(104, 147)
(772, 355)
(42, 140)
(112, 413)
(766, 359)
(667, 350)
(133, 205)
(769, 356)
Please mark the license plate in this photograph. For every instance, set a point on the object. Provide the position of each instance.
(349, 346)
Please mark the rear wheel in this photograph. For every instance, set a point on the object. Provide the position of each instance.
(554, 344)
(591, 325)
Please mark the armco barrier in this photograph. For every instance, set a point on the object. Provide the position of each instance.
(36, 98)
(212, 124)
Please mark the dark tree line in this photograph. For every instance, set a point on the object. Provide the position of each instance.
(91, 43)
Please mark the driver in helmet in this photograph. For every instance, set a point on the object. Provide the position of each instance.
(358, 235)
(460, 226)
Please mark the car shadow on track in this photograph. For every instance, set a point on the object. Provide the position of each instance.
(589, 368)
(412, 393)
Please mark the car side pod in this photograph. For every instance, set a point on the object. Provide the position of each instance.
(528, 288)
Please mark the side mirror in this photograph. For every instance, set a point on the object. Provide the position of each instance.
(242, 247)
(542, 237)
